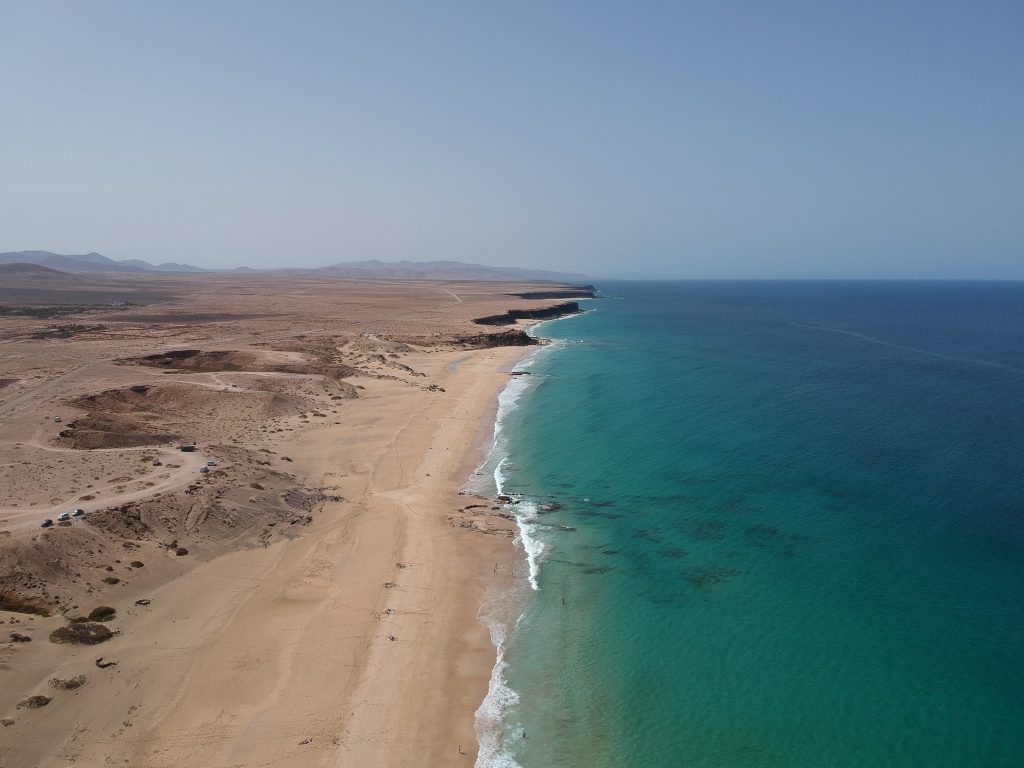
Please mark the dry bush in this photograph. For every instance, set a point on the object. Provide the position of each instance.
(102, 613)
(87, 633)
(68, 684)
(34, 702)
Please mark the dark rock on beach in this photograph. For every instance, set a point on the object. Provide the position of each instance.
(514, 337)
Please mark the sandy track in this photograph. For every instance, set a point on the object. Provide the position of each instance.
(20, 519)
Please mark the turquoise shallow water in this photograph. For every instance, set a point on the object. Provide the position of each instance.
(782, 525)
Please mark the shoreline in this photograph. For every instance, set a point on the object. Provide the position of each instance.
(282, 654)
(503, 608)
(461, 659)
(304, 586)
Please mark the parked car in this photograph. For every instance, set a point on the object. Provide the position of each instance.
(78, 513)
(204, 470)
(211, 463)
(64, 516)
(46, 523)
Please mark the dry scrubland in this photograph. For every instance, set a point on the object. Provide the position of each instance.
(307, 600)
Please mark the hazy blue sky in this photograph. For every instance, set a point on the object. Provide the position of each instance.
(692, 139)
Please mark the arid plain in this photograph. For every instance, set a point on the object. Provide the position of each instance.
(301, 589)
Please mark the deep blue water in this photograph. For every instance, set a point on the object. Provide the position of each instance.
(788, 529)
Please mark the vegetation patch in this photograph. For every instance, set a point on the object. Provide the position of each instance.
(85, 633)
(68, 684)
(34, 702)
(42, 312)
(102, 613)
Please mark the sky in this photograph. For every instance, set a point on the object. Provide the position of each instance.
(632, 139)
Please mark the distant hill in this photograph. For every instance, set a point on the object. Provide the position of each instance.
(35, 285)
(89, 262)
(33, 271)
(170, 266)
(394, 270)
(442, 270)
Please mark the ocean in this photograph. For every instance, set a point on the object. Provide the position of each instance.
(771, 524)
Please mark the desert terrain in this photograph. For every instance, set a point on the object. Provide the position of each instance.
(299, 586)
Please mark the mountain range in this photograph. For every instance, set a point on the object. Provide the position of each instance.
(408, 270)
(89, 262)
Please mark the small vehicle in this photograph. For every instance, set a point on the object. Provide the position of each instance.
(46, 523)
(211, 463)
(64, 516)
(204, 470)
(78, 513)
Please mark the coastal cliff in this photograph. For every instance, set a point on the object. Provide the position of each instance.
(573, 292)
(545, 313)
(513, 337)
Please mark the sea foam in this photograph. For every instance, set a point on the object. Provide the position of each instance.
(501, 613)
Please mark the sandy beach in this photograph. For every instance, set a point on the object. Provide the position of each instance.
(347, 635)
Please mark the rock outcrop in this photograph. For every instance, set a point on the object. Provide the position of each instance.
(543, 313)
(573, 292)
(510, 338)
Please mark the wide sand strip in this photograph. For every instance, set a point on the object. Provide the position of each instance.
(354, 644)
